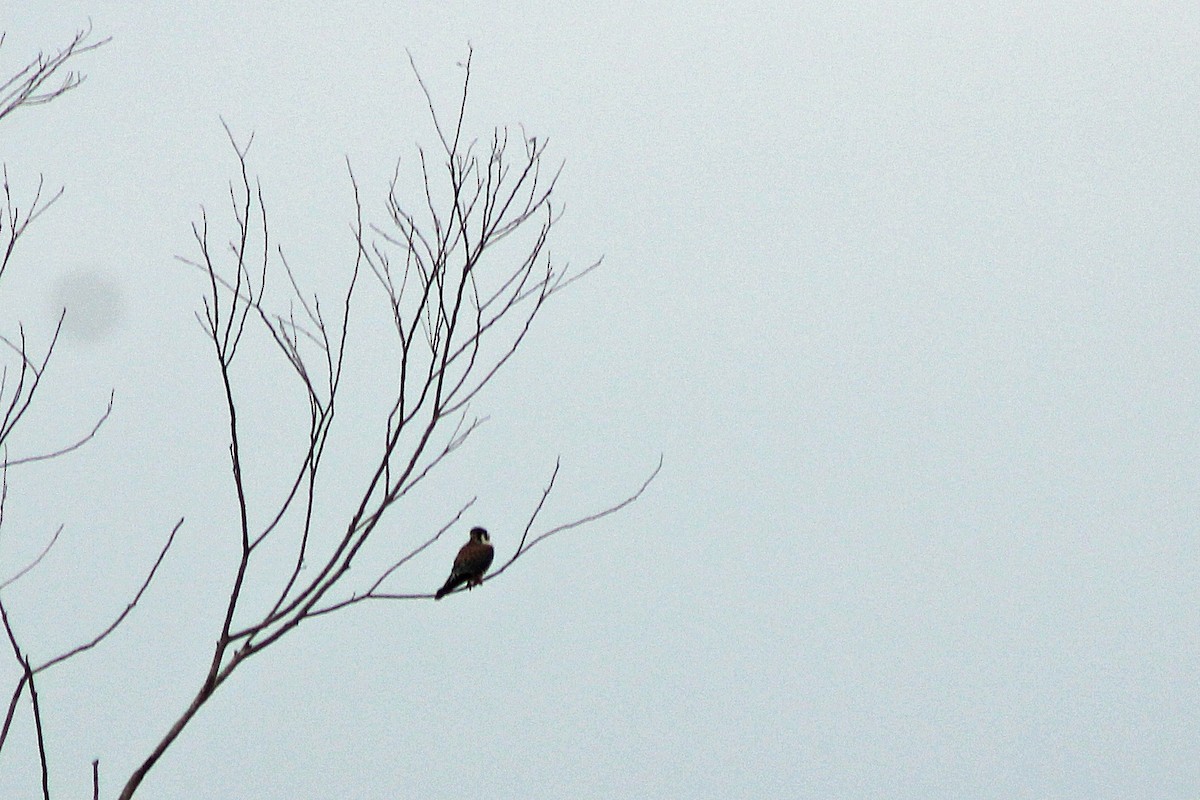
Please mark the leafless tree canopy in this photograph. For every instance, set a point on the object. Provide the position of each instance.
(41, 80)
(462, 271)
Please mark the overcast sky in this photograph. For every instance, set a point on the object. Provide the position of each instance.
(906, 295)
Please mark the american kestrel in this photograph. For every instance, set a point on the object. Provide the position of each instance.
(470, 564)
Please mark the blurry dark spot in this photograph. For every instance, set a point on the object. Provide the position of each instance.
(94, 302)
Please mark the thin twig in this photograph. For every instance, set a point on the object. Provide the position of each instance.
(95, 640)
(28, 567)
(524, 548)
(73, 446)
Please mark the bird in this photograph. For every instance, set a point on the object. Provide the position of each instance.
(470, 564)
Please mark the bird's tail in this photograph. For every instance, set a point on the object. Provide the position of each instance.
(451, 584)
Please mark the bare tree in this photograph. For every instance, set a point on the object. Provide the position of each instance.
(41, 80)
(459, 277)
(458, 314)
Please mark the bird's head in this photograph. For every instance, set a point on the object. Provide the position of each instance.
(480, 535)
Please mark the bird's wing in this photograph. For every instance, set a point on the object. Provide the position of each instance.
(473, 559)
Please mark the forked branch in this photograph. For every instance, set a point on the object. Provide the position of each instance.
(29, 668)
(32, 84)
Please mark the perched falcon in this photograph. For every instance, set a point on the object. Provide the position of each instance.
(469, 565)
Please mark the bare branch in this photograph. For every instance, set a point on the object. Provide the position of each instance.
(27, 87)
(12, 703)
(28, 380)
(373, 592)
(22, 683)
(78, 443)
(18, 221)
(27, 673)
(29, 567)
(37, 726)
(98, 638)
(525, 548)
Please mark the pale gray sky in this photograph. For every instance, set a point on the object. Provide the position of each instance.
(906, 294)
